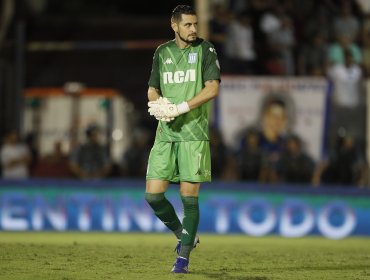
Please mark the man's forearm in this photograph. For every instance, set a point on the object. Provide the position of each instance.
(209, 92)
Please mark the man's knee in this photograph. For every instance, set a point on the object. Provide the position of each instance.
(154, 198)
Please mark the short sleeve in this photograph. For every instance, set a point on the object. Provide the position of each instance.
(210, 65)
(154, 80)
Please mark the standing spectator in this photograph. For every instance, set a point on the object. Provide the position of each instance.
(240, 45)
(282, 42)
(295, 165)
(313, 57)
(348, 111)
(15, 157)
(337, 49)
(90, 160)
(250, 156)
(346, 24)
(218, 27)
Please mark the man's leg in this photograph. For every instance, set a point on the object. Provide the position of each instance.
(189, 196)
(163, 209)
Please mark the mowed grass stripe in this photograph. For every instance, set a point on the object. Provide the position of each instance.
(40, 255)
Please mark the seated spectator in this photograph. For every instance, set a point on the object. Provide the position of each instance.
(294, 165)
(90, 160)
(15, 157)
(345, 166)
(135, 158)
(54, 165)
(249, 157)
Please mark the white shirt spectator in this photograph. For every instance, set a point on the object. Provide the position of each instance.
(346, 84)
(239, 43)
(11, 154)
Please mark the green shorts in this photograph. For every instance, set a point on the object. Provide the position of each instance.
(180, 162)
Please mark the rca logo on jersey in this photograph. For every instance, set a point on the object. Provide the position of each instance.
(192, 58)
(179, 77)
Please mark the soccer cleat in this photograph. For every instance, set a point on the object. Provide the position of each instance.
(178, 246)
(180, 266)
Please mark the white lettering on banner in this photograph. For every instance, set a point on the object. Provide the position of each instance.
(290, 229)
(336, 232)
(179, 77)
(251, 227)
(13, 218)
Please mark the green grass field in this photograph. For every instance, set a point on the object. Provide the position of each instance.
(150, 256)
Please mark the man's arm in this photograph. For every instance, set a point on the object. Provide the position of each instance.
(153, 93)
(209, 92)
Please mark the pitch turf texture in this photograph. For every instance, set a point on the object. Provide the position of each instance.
(150, 256)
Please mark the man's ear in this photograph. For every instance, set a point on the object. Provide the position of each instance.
(174, 26)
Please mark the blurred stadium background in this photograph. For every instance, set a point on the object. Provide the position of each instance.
(289, 130)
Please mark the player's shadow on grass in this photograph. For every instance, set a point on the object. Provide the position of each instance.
(226, 276)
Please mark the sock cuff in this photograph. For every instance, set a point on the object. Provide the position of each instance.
(154, 197)
(192, 200)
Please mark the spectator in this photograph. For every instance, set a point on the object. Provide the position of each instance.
(346, 24)
(250, 157)
(366, 44)
(239, 45)
(15, 157)
(345, 165)
(282, 42)
(218, 27)
(347, 107)
(54, 165)
(295, 165)
(313, 57)
(337, 49)
(135, 159)
(90, 160)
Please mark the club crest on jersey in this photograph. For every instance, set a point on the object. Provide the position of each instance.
(192, 58)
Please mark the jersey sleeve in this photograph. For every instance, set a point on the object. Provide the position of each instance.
(210, 65)
(154, 74)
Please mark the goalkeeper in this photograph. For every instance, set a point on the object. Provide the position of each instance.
(185, 76)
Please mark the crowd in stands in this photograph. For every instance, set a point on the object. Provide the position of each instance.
(319, 38)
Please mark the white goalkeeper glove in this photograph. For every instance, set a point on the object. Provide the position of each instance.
(164, 110)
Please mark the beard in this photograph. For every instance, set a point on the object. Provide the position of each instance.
(186, 40)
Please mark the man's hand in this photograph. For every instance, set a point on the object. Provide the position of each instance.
(162, 109)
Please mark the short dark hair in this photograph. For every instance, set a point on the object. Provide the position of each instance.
(181, 10)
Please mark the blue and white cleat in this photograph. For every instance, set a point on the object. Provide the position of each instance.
(178, 246)
(180, 266)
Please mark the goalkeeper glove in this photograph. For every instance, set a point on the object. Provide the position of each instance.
(164, 110)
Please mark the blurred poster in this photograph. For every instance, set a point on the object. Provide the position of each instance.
(242, 101)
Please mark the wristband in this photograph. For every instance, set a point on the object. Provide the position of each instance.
(183, 107)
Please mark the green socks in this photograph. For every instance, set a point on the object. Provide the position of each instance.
(189, 224)
(164, 210)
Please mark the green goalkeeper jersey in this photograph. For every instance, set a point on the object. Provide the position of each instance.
(180, 74)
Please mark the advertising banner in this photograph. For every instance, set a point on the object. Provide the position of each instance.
(225, 208)
(242, 102)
